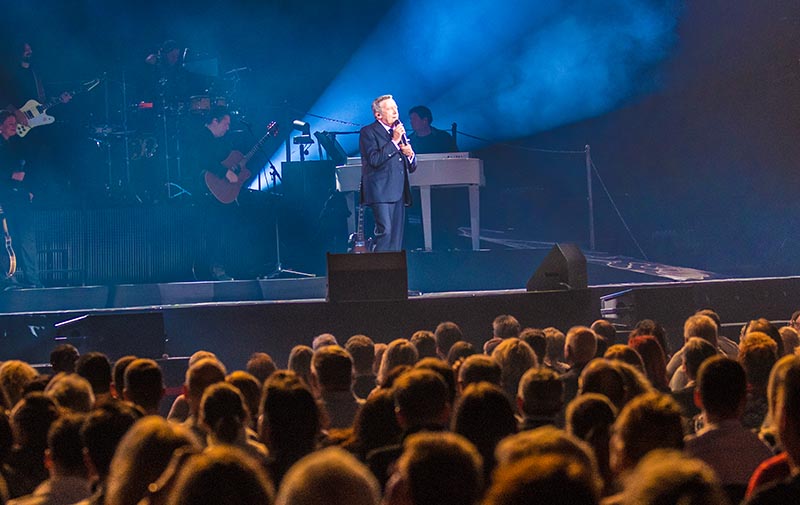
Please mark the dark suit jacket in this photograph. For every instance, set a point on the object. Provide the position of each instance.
(384, 169)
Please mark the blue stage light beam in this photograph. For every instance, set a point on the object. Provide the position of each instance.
(503, 69)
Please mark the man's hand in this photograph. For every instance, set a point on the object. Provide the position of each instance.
(398, 132)
(406, 149)
(21, 118)
(65, 97)
(18, 176)
(231, 176)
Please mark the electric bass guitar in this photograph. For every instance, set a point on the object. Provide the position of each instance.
(226, 191)
(358, 245)
(35, 112)
(8, 263)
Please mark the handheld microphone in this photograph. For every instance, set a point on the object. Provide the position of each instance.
(403, 139)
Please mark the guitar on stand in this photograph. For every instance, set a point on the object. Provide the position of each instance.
(35, 112)
(357, 243)
(226, 191)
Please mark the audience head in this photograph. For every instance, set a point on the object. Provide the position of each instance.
(142, 455)
(790, 339)
(95, 368)
(223, 412)
(626, 354)
(322, 340)
(765, 326)
(777, 376)
(118, 373)
(375, 424)
(635, 382)
(787, 417)
(515, 357)
(425, 343)
(547, 440)
(590, 417)
(144, 384)
(15, 376)
(332, 369)
(31, 418)
(605, 378)
(479, 368)
(421, 399)
(64, 447)
(484, 416)
(605, 329)
(438, 469)
(757, 355)
(535, 338)
(260, 366)
(63, 358)
(200, 376)
(580, 345)
(667, 476)
(331, 476)
(250, 389)
(701, 326)
(222, 475)
(556, 341)
(300, 362)
(200, 355)
(399, 352)
(540, 393)
(505, 326)
(649, 421)
(71, 392)
(696, 351)
(652, 328)
(722, 388)
(447, 334)
(653, 358)
(102, 431)
(459, 350)
(362, 351)
(444, 370)
(290, 417)
(548, 479)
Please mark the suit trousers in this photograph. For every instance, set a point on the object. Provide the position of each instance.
(389, 225)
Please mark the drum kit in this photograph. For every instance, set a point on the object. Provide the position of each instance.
(141, 142)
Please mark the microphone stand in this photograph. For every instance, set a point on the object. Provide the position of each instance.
(279, 270)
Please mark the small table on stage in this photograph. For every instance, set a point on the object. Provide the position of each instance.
(433, 170)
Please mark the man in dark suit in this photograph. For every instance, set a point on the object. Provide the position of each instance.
(386, 160)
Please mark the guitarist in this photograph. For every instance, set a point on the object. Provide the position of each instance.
(15, 200)
(205, 147)
(26, 84)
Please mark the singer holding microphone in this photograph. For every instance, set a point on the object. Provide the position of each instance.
(386, 160)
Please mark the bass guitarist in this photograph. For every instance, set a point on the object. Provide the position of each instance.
(15, 201)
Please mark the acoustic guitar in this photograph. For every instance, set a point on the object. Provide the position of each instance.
(226, 191)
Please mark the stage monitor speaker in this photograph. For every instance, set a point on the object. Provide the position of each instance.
(564, 267)
(140, 334)
(367, 277)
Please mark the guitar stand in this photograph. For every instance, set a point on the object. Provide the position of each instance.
(180, 190)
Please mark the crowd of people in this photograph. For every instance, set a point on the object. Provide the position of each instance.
(535, 416)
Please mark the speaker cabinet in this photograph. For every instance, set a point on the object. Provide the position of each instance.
(367, 277)
(564, 267)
